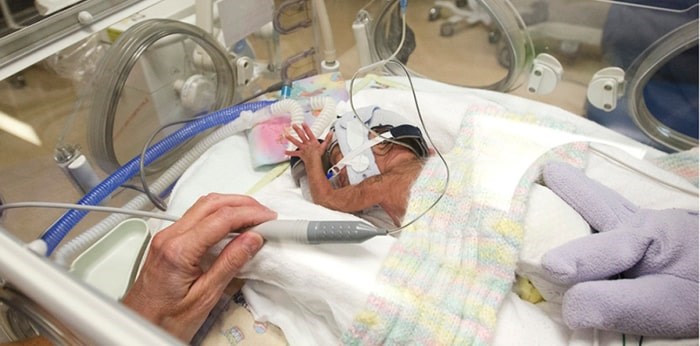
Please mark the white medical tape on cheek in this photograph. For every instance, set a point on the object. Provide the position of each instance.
(355, 159)
(353, 135)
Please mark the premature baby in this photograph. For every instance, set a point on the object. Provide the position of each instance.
(370, 176)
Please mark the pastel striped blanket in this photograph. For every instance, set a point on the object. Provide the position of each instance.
(446, 277)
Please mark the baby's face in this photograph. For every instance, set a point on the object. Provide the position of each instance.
(380, 151)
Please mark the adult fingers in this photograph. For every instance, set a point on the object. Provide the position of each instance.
(206, 205)
(231, 260)
(219, 224)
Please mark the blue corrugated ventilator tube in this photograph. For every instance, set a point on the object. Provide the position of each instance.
(55, 234)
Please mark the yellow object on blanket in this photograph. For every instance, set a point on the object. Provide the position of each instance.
(526, 290)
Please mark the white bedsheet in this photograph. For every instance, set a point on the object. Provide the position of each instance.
(312, 292)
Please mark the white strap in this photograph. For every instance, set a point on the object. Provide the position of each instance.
(349, 159)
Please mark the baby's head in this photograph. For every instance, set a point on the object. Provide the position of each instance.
(362, 141)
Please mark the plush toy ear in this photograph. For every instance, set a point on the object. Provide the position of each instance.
(603, 208)
(595, 257)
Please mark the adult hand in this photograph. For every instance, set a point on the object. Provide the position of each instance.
(173, 290)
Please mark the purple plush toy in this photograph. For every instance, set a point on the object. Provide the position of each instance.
(654, 253)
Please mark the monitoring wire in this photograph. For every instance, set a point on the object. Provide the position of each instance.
(112, 210)
(629, 167)
(624, 341)
(132, 187)
(430, 139)
(157, 201)
(382, 63)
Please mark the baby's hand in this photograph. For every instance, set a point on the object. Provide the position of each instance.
(308, 147)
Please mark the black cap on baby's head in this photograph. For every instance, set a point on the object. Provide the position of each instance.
(412, 137)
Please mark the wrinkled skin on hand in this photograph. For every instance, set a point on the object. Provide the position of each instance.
(173, 290)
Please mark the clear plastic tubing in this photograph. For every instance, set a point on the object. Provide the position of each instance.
(55, 234)
(65, 254)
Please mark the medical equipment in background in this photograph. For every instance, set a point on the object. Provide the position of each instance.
(178, 71)
(30, 33)
(170, 55)
(547, 49)
(295, 15)
(167, 61)
(472, 15)
(660, 61)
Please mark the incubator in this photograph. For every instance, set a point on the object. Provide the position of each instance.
(631, 64)
(170, 72)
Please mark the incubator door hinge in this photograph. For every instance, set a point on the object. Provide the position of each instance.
(606, 87)
(545, 74)
(245, 70)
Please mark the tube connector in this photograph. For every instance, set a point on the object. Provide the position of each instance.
(286, 90)
(330, 66)
(39, 247)
(76, 167)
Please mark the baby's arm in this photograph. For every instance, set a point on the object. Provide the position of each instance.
(311, 152)
(351, 198)
(354, 198)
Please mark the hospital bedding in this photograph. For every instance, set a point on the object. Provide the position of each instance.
(318, 294)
